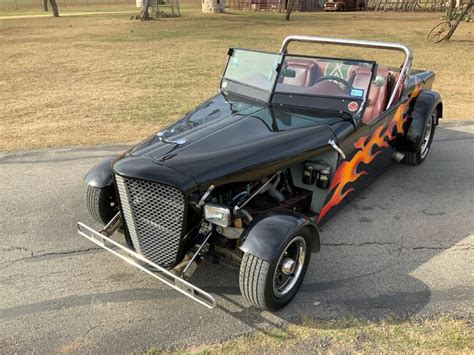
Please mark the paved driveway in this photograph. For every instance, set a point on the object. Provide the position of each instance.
(403, 248)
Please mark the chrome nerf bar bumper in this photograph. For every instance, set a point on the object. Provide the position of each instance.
(160, 274)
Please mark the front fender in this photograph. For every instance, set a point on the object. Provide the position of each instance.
(421, 110)
(266, 234)
(101, 174)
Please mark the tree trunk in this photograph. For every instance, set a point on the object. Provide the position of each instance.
(54, 8)
(144, 15)
(377, 5)
(45, 5)
(458, 20)
(289, 9)
(449, 14)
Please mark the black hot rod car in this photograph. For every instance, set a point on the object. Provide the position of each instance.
(248, 176)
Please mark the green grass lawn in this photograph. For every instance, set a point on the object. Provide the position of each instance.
(105, 78)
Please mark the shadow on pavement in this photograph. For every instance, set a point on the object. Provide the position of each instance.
(395, 250)
(372, 248)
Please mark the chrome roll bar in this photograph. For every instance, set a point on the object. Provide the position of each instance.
(359, 43)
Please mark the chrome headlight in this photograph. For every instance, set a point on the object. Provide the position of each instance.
(217, 214)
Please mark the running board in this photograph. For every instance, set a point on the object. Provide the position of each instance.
(160, 273)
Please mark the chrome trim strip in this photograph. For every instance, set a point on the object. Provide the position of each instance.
(127, 211)
(360, 43)
(161, 274)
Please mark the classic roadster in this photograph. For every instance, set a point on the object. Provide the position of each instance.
(247, 177)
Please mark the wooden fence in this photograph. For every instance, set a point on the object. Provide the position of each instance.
(248, 5)
(317, 5)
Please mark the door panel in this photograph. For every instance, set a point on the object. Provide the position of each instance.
(368, 151)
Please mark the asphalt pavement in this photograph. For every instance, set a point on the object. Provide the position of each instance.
(403, 248)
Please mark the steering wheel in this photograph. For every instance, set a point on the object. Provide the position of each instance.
(346, 84)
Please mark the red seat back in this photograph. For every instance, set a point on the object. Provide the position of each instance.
(377, 97)
(305, 73)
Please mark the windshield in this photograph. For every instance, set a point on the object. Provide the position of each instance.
(300, 81)
(325, 77)
(251, 73)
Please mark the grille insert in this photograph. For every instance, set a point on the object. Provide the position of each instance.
(154, 216)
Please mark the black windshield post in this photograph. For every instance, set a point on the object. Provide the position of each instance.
(277, 76)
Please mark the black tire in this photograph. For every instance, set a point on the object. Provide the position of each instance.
(256, 279)
(101, 203)
(418, 157)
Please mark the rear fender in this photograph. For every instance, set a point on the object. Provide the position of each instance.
(101, 174)
(268, 233)
(418, 115)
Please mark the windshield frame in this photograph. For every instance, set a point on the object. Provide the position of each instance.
(391, 46)
(303, 100)
(373, 66)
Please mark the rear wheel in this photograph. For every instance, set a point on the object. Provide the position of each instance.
(273, 284)
(101, 203)
(418, 157)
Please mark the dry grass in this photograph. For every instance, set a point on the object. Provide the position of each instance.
(37, 11)
(101, 79)
(349, 336)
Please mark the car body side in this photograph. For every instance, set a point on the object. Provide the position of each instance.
(220, 154)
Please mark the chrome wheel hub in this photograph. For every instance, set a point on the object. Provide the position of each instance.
(289, 267)
(425, 145)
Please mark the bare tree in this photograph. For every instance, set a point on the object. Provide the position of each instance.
(45, 5)
(289, 9)
(54, 8)
(144, 15)
(449, 13)
(458, 20)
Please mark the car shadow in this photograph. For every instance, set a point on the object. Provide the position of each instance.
(394, 251)
(376, 253)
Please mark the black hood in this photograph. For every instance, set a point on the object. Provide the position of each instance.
(226, 140)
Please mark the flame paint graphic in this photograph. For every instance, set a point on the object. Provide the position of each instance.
(348, 170)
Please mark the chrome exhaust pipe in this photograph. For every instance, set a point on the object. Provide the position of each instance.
(398, 156)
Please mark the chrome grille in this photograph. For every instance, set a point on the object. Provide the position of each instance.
(154, 216)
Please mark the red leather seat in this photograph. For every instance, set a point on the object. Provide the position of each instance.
(393, 82)
(305, 72)
(346, 72)
(362, 78)
(377, 98)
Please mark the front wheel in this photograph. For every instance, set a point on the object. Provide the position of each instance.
(273, 284)
(101, 203)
